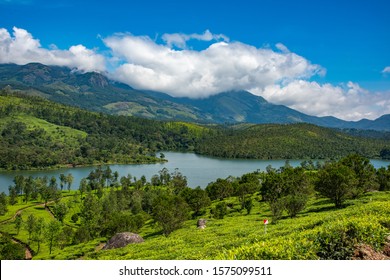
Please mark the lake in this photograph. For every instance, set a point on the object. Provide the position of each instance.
(199, 170)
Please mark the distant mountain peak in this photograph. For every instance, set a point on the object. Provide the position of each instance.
(96, 91)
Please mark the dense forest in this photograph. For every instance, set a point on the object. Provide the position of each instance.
(297, 141)
(37, 133)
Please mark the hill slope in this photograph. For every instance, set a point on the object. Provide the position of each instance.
(37, 133)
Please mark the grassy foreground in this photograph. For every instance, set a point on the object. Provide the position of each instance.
(319, 232)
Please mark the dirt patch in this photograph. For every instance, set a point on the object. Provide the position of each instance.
(366, 252)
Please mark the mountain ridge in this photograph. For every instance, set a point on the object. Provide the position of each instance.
(97, 92)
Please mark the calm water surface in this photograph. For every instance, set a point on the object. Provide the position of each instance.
(199, 170)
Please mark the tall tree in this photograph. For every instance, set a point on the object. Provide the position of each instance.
(62, 181)
(18, 223)
(13, 195)
(38, 232)
(30, 225)
(90, 214)
(3, 204)
(170, 211)
(69, 180)
(52, 233)
(364, 173)
(336, 182)
(383, 177)
(60, 210)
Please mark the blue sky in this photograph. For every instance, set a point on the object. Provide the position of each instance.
(337, 49)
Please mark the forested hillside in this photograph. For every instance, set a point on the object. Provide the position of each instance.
(294, 141)
(37, 133)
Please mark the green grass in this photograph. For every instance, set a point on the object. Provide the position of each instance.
(61, 134)
(238, 235)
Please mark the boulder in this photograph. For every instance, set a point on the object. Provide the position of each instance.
(122, 239)
(201, 224)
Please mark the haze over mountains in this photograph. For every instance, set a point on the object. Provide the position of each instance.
(94, 91)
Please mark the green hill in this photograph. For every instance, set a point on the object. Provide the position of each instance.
(37, 133)
(294, 141)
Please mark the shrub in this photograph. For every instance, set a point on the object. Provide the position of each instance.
(220, 210)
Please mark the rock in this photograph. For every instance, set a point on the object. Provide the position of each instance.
(122, 239)
(365, 252)
(201, 224)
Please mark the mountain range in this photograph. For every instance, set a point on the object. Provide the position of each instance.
(97, 92)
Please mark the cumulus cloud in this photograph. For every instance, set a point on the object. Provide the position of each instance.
(279, 75)
(221, 67)
(180, 39)
(347, 101)
(22, 48)
(386, 70)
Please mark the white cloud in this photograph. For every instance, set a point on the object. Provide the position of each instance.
(386, 70)
(221, 67)
(180, 39)
(279, 75)
(22, 48)
(348, 101)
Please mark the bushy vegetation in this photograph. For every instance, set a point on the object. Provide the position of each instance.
(307, 223)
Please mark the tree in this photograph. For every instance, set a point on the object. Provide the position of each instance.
(83, 186)
(165, 177)
(115, 177)
(10, 250)
(19, 181)
(90, 214)
(155, 180)
(52, 233)
(107, 176)
(28, 187)
(243, 190)
(336, 182)
(65, 236)
(197, 199)
(220, 210)
(170, 211)
(38, 232)
(385, 153)
(383, 177)
(30, 225)
(62, 181)
(248, 205)
(364, 173)
(219, 189)
(126, 181)
(272, 191)
(13, 195)
(179, 181)
(287, 189)
(60, 210)
(18, 222)
(69, 180)
(3, 204)
(296, 190)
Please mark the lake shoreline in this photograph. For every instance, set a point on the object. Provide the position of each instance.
(200, 170)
